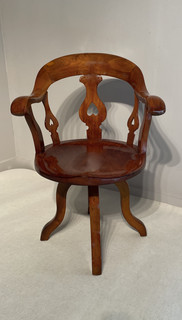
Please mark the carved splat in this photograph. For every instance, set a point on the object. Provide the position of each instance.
(93, 121)
(133, 123)
(51, 122)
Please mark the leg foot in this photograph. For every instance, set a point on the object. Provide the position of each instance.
(125, 205)
(61, 208)
(95, 229)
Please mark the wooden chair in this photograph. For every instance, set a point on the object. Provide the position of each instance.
(93, 161)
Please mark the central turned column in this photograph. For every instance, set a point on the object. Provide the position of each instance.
(93, 193)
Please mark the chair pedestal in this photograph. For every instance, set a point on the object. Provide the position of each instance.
(93, 192)
(94, 211)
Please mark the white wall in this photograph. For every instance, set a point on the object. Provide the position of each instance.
(7, 146)
(146, 32)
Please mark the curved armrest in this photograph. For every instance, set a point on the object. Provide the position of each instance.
(155, 105)
(20, 106)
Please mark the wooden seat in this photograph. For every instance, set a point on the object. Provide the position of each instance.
(77, 160)
(93, 161)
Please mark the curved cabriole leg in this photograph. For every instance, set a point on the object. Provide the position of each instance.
(61, 208)
(125, 205)
(95, 229)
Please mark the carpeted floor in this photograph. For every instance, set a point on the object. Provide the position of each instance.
(141, 279)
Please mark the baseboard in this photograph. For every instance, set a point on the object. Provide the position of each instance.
(7, 164)
(14, 163)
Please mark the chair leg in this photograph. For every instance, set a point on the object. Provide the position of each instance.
(61, 208)
(95, 229)
(125, 205)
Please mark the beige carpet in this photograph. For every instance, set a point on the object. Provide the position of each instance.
(141, 279)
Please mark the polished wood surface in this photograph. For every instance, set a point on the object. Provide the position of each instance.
(82, 163)
(92, 161)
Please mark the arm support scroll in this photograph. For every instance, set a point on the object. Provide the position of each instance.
(155, 105)
(21, 105)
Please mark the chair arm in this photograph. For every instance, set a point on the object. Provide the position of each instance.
(155, 105)
(21, 105)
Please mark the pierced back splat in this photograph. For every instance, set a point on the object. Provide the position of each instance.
(133, 123)
(93, 121)
(51, 122)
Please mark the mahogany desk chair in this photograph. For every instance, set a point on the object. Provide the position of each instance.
(93, 161)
